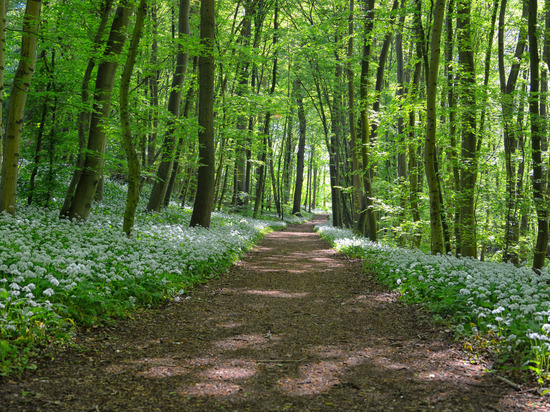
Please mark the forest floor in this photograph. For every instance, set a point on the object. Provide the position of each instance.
(293, 326)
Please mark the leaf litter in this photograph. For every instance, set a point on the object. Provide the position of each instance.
(292, 326)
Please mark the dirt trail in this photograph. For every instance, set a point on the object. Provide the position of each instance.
(293, 326)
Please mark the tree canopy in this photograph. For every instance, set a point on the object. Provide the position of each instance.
(421, 124)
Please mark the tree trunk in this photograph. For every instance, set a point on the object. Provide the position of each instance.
(93, 165)
(132, 196)
(431, 121)
(309, 178)
(3, 11)
(539, 180)
(507, 88)
(189, 101)
(241, 153)
(39, 135)
(52, 141)
(412, 135)
(154, 87)
(300, 157)
(355, 147)
(267, 122)
(467, 97)
(452, 152)
(16, 108)
(401, 141)
(367, 218)
(380, 71)
(83, 121)
(160, 186)
(202, 208)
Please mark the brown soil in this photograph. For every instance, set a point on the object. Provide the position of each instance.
(294, 326)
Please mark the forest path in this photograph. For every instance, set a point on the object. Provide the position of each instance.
(293, 326)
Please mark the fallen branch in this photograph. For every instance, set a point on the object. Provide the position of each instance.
(509, 383)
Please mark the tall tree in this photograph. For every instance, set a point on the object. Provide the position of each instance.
(432, 176)
(267, 121)
(296, 207)
(539, 180)
(83, 120)
(158, 193)
(468, 175)
(355, 147)
(204, 198)
(134, 167)
(16, 109)
(3, 12)
(241, 188)
(367, 218)
(92, 171)
(511, 130)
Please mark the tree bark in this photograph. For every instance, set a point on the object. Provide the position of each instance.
(83, 122)
(158, 193)
(241, 191)
(468, 176)
(357, 193)
(412, 134)
(93, 165)
(16, 109)
(134, 167)
(539, 180)
(401, 146)
(367, 218)
(40, 134)
(300, 156)
(3, 12)
(267, 122)
(431, 122)
(204, 198)
(511, 131)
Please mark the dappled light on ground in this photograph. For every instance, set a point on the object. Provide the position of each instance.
(312, 380)
(276, 293)
(271, 293)
(246, 341)
(214, 389)
(293, 326)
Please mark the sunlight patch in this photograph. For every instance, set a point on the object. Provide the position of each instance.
(231, 325)
(164, 371)
(314, 379)
(117, 369)
(229, 373)
(211, 389)
(276, 293)
(245, 341)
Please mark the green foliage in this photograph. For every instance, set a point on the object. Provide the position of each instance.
(503, 307)
(56, 275)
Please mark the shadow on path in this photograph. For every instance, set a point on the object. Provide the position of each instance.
(293, 326)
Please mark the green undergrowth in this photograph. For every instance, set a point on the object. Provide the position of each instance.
(495, 307)
(57, 276)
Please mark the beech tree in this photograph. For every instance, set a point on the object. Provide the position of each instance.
(205, 182)
(398, 150)
(16, 107)
(3, 10)
(436, 230)
(158, 193)
(127, 139)
(92, 170)
(468, 176)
